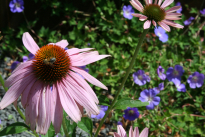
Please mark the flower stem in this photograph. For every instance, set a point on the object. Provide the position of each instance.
(2, 83)
(125, 78)
(64, 127)
(21, 114)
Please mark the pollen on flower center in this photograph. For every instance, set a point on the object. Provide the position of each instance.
(154, 12)
(131, 112)
(195, 79)
(51, 63)
(176, 73)
(17, 4)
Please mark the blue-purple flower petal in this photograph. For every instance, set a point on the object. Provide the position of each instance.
(160, 72)
(127, 12)
(196, 80)
(131, 113)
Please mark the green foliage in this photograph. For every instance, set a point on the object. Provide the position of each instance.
(50, 133)
(14, 128)
(71, 126)
(86, 124)
(101, 24)
(127, 102)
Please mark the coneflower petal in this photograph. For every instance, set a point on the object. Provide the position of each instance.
(173, 9)
(26, 92)
(41, 112)
(85, 85)
(134, 4)
(88, 59)
(173, 24)
(173, 14)
(18, 76)
(172, 18)
(10, 95)
(137, 15)
(167, 3)
(121, 131)
(159, 2)
(29, 43)
(33, 103)
(89, 78)
(22, 65)
(139, 4)
(147, 24)
(142, 18)
(79, 94)
(131, 132)
(154, 23)
(62, 43)
(68, 103)
(136, 132)
(76, 50)
(57, 110)
(144, 132)
(116, 134)
(164, 26)
(48, 98)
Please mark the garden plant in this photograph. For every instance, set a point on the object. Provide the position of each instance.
(102, 68)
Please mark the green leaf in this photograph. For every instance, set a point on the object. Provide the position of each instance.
(70, 126)
(103, 100)
(86, 124)
(14, 128)
(127, 102)
(50, 133)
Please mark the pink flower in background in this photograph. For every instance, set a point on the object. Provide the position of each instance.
(155, 13)
(122, 133)
(52, 66)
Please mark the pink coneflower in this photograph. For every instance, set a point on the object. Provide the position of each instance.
(52, 66)
(155, 12)
(122, 133)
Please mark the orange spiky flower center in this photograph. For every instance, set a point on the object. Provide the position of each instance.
(51, 63)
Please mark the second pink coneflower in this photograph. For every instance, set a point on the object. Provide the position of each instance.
(49, 83)
(155, 13)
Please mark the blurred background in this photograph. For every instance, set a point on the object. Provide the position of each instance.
(100, 24)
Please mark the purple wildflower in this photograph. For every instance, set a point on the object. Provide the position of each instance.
(202, 12)
(149, 96)
(161, 33)
(16, 5)
(30, 56)
(180, 87)
(103, 109)
(88, 44)
(127, 11)
(188, 21)
(83, 67)
(25, 58)
(14, 65)
(65, 48)
(131, 113)
(140, 78)
(175, 72)
(180, 10)
(160, 72)
(196, 80)
(86, 69)
(159, 88)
